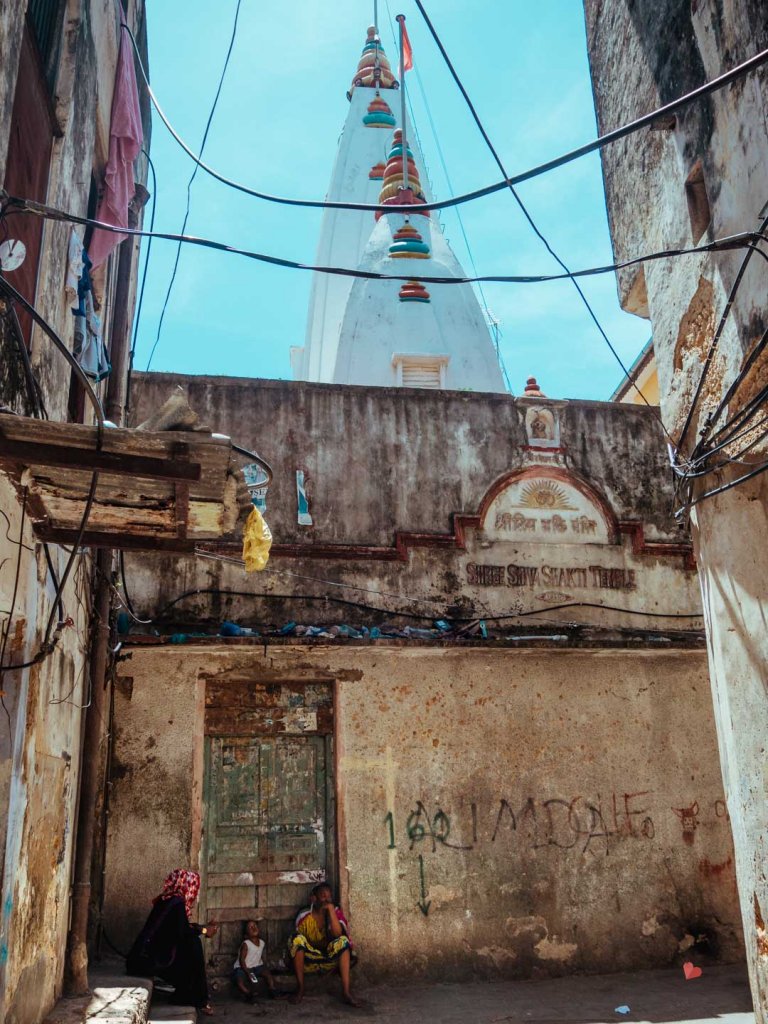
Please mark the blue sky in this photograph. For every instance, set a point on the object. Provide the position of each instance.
(276, 128)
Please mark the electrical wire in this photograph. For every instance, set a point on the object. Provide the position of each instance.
(7, 288)
(756, 351)
(50, 636)
(11, 610)
(524, 210)
(718, 334)
(125, 598)
(722, 489)
(740, 240)
(426, 616)
(491, 320)
(37, 403)
(140, 303)
(191, 180)
(368, 590)
(645, 121)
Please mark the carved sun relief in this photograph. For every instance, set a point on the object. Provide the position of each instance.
(544, 494)
(546, 509)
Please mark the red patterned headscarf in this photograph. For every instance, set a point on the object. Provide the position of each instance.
(181, 883)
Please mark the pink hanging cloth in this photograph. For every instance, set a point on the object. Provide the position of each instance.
(125, 139)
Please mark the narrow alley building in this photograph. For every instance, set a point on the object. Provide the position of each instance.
(694, 177)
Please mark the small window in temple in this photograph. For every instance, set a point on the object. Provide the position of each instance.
(698, 202)
(420, 371)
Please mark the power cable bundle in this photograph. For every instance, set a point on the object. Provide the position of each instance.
(740, 426)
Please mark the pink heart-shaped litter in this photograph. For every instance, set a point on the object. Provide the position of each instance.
(691, 971)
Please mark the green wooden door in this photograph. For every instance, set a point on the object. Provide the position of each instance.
(268, 835)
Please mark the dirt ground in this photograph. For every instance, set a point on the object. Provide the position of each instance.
(721, 993)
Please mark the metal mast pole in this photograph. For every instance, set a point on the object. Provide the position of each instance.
(377, 59)
(401, 23)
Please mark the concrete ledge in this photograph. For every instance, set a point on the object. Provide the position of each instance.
(113, 999)
(175, 1014)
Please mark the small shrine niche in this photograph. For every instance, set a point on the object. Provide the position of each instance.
(542, 428)
(542, 424)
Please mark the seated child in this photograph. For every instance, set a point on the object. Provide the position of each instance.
(249, 967)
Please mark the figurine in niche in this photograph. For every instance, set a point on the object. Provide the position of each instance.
(540, 427)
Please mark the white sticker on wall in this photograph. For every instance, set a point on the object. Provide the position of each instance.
(257, 482)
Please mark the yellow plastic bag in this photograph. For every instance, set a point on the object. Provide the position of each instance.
(257, 540)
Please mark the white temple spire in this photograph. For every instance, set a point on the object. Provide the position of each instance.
(384, 332)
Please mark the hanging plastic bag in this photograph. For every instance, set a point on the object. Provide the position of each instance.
(257, 540)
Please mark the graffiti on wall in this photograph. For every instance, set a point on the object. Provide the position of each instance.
(577, 823)
(586, 826)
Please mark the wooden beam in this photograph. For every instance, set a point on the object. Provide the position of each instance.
(121, 541)
(32, 453)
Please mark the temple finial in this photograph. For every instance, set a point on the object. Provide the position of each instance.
(373, 69)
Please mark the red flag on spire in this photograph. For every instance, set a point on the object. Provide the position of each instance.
(406, 45)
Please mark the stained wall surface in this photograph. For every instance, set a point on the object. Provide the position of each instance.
(427, 499)
(498, 812)
(700, 176)
(41, 735)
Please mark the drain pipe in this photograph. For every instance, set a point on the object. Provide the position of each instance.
(91, 776)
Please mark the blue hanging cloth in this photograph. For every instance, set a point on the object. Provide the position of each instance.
(89, 348)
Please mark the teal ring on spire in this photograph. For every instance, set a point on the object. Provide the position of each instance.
(379, 117)
(408, 245)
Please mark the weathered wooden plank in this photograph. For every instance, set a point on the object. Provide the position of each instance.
(160, 443)
(211, 484)
(113, 539)
(249, 693)
(268, 722)
(256, 914)
(68, 513)
(257, 878)
(230, 895)
(32, 453)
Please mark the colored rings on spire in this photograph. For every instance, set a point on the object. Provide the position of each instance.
(379, 114)
(407, 244)
(374, 69)
(414, 291)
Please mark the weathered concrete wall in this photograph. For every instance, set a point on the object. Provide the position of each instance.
(566, 808)
(401, 486)
(39, 768)
(643, 53)
(40, 740)
(416, 456)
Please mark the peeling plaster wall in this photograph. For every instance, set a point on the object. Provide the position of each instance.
(644, 53)
(40, 740)
(565, 807)
(417, 455)
(39, 769)
(382, 462)
(667, 48)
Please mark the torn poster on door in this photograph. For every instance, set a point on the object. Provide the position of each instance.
(304, 518)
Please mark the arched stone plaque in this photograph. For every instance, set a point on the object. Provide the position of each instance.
(544, 506)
